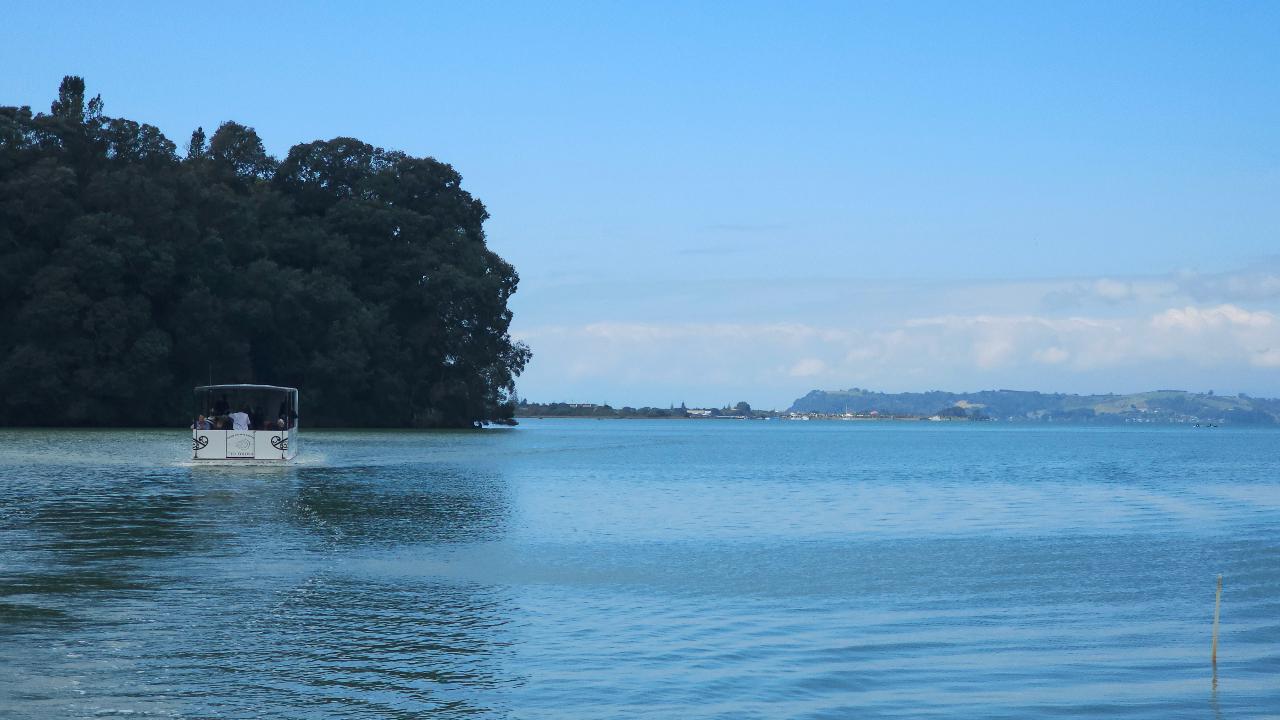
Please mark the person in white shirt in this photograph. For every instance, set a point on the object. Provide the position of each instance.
(240, 420)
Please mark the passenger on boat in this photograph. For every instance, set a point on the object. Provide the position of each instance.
(201, 424)
(240, 420)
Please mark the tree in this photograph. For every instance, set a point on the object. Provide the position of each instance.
(128, 275)
(197, 146)
(70, 104)
(238, 150)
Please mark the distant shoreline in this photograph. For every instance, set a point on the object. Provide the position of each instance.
(772, 416)
(1179, 407)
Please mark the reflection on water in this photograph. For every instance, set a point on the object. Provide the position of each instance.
(651, 569)
(437, 504)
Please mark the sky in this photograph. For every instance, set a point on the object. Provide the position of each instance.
(715, 202)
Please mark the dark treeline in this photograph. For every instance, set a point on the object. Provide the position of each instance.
(130, 274)
(590, 410)
(524, 408)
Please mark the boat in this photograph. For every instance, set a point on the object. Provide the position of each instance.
(244, 424)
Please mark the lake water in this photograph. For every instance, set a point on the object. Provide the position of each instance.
(635, 569)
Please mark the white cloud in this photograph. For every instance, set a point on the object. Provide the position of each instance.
(1195, 320)
(1114, 290)
(1051, 355)
(1106, 291)
(731, 361)
(1267, 358)
(1250, 285)
(808, 367)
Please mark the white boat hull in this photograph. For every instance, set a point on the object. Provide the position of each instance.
(228, 446)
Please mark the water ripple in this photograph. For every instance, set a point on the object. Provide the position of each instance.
(644, 570)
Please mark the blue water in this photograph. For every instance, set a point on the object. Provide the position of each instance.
(633, 569)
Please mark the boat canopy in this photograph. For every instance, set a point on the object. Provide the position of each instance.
(268, 406)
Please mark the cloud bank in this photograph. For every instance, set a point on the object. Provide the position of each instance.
(772, 363)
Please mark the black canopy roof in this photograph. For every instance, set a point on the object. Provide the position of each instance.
(246, 387)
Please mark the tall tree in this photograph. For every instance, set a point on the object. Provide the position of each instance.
(128, 275)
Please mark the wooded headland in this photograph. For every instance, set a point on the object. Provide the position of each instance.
(130, 273)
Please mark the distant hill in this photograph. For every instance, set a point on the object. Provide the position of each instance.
(1031, 406)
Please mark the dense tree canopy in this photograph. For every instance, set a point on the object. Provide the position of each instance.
(129, 274)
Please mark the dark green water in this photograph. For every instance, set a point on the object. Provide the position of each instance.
(591, 569)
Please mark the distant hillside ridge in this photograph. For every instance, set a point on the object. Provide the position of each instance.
(1030, 406)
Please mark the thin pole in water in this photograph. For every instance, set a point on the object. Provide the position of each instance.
(1217, 607)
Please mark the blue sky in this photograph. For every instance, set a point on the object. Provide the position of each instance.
(720, 202)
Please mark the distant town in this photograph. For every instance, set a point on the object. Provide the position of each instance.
(740, 411)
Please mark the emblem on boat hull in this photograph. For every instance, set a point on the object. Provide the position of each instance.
(199, 443)
(240, 446)
(279, 443)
